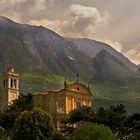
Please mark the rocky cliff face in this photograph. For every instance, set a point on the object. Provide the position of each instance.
(92, 48)
(32, 48)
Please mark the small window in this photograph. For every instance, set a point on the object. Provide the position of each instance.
(78, 88)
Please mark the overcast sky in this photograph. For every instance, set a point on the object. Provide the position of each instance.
(115, 22)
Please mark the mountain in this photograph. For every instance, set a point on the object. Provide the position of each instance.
(138, 70)
(110, 69)
(43, 58)
(92, 48)
(40, 49)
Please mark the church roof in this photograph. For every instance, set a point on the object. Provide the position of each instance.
(79, 88)
(10, 71)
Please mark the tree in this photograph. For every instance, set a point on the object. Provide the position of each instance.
(132, 121)
(133, 124)
(89, 131)
(2, 133)
(33, 125)
(24, 102)
(76, 116)
(57, 136)
(7, 118)
(82, 114)
(113, 117)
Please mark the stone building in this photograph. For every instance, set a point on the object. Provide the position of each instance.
(10, 90)
(62, 101)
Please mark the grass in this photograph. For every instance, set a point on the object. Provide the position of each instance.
(32, 82)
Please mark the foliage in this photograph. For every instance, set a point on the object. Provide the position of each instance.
(57, 136)
(81, 114)
(35, 125)
(7, 120)
(133, 123)
(24, 102)
(2, 133)
(134, 136)
(89, 131)
(113, 117)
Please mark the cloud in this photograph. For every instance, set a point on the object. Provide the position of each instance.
(24, 10)
(73, 20)
(116, 45)
(85, 12)
(83, 20)
(134, 55)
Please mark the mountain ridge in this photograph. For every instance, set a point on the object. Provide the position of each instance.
(98, 46)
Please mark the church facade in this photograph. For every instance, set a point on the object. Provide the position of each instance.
(62, 101)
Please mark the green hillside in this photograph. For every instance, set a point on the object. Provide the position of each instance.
(34, 82)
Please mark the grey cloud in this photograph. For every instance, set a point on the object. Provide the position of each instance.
(77, 26)
(134, 55)
(25, 9)
(82, 19)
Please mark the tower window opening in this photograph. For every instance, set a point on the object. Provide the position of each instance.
(11, 83)
(15, 83)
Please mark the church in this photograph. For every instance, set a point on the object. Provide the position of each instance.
(62, 101)
(56, 102)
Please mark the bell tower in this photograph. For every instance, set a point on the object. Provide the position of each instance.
(10, 87)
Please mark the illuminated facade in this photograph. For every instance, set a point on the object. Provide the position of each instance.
(10, 89)
(58, 102)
